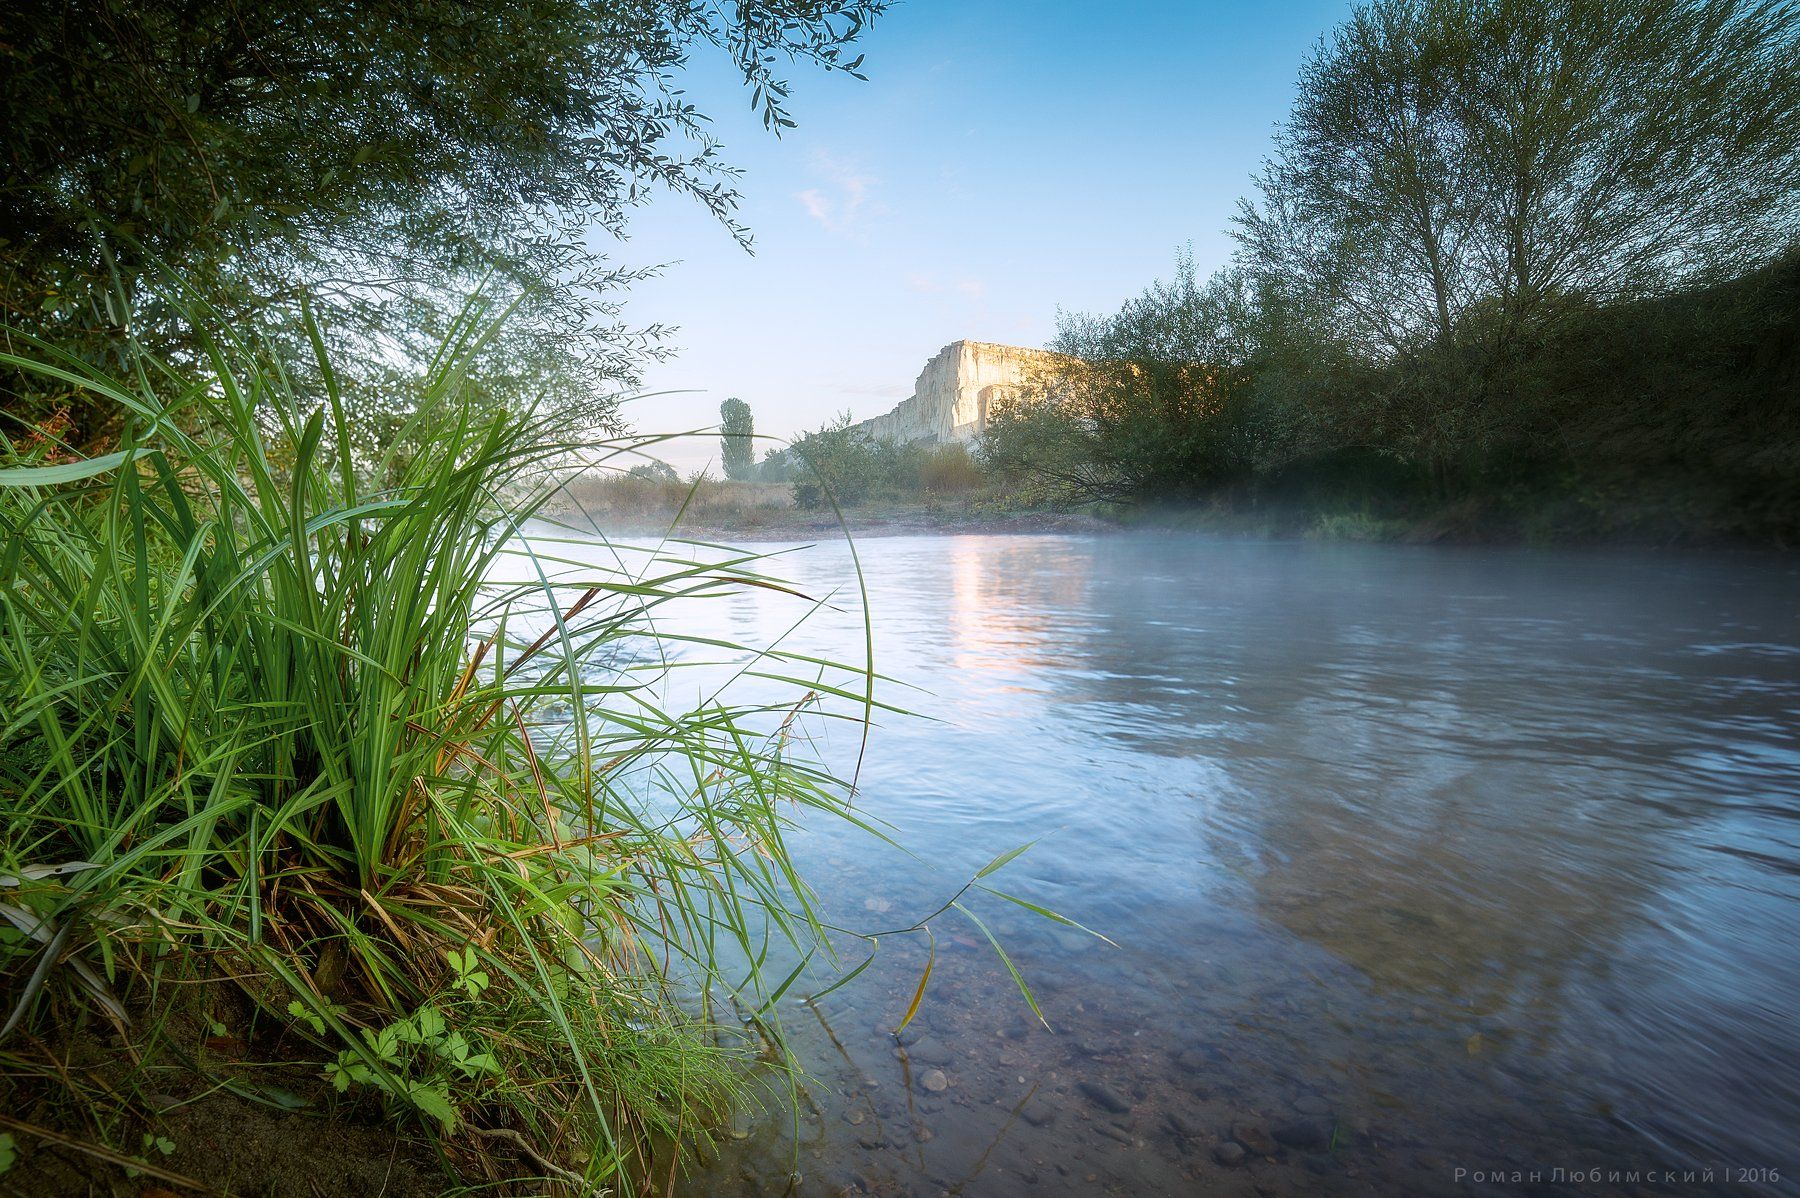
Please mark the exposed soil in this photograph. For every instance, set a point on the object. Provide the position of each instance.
(281, 1135)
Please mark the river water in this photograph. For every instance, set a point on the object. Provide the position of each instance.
(1421, 864)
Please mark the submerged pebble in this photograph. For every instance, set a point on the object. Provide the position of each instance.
(1308, 1135)
(935, 1081)
(1182, 1126)
(1105, 1097)
(1229, 1153)
(1254, 1138)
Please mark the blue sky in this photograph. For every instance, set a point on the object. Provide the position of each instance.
(1003, 160)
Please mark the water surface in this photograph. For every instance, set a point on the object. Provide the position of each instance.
(1426, 860)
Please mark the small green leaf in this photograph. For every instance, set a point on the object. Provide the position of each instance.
(1017, 977)
(1047, 913)
(1002, 859)
(433, 1102)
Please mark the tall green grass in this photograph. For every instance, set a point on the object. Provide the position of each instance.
(325, 726)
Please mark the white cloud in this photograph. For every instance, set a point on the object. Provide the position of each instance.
(845, 201)
(966, 286)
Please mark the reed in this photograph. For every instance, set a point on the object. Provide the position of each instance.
(352, 736)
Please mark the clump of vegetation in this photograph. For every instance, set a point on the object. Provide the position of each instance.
(343, 749)
(836, 464)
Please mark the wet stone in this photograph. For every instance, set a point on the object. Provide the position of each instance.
(1105, 1097)
(935, 1081)
(1255, 1139)
(1312, 1104)
(1112, 1132)
(1182, 1125)
(1039, 1114)
(1308, 1135)
(1229, 1153)
(930, 1051)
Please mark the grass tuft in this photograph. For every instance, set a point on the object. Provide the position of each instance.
(337, 759)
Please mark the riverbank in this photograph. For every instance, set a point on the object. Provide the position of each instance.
(733, 512)
(759, 512)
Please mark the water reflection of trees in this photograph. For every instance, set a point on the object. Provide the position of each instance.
(1438, 767)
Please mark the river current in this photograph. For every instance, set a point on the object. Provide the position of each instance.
(1426, 871)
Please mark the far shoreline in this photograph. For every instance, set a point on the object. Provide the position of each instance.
(1466, 526)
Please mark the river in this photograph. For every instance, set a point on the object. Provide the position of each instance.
(1422, 865)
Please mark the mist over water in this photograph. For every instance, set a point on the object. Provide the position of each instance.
(1418, 860)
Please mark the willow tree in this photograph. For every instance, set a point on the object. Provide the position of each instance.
(1449, 158)
(1458, 179)
(1368, 192)
(378, 154)
(1619, 150)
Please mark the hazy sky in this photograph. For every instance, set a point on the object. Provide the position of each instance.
(1003, 160)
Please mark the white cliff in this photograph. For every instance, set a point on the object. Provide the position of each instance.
(956, 391)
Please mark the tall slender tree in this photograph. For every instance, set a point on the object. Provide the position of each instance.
(737, 445)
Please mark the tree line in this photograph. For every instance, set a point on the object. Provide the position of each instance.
(1471, 206)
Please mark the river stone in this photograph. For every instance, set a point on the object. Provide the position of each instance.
(1312, 1104)
(1254, 1138)
(1308, 1135)
(935, 1081)
(1229, 1153)
(1182, 1126)
(929, 1051)
(1105, 1096)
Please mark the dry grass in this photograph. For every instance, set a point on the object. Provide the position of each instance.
(619, 501)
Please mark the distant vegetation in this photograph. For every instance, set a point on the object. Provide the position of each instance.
(836, 463)
(1517, 267)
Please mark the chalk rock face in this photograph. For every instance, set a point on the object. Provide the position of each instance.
(955, 392)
